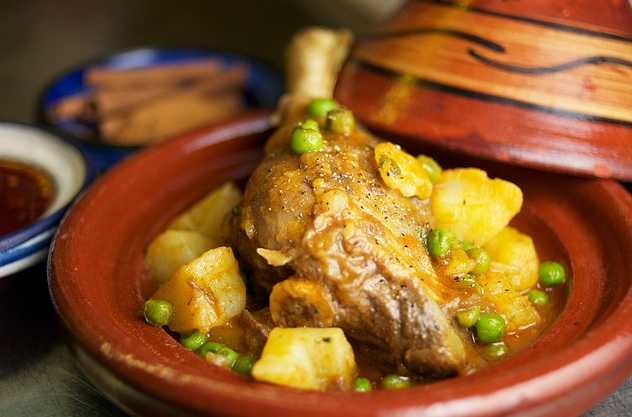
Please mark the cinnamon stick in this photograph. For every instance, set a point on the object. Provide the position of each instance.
(69, 107)
(147, 105)
(169, 116)
(109, 102)
(112, 78)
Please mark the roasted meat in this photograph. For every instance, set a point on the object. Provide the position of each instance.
(333, 244)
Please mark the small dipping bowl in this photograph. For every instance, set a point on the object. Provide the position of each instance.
(69, 172)
(263, 88)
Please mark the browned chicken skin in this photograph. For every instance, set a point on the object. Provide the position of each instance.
(338, 248)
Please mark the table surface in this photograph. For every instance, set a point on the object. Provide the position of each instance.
(38, 376)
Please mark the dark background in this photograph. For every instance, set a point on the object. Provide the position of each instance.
(38, 40)
(41, 38)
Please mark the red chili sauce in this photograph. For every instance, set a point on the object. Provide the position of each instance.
(25, 194)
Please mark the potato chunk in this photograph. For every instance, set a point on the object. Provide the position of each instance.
(172, 249)
(516, 250)
(472, 206)
(307, 358)
(205, 293)
(401, 171)
(516, 309)
(207, 215)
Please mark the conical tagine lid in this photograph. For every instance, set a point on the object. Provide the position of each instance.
(542, 83)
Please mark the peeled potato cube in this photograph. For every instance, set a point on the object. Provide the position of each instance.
(205, 293)
(401, 171)
(208, 215)
(307, 358)
(516, 309)
(172, 249)
(472, 206)
(515, 249)
(520, 313)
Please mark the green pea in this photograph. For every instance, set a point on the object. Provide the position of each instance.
(466, 245)
(496, 350)
(468, 318)
(212, 347)
(490, 328)
(395, 382)
(439, 242)
(194, 341)
(310, 124)
(157, 312)
(243, 365)
(482, 259)
(340, 121)
(229, 354)
(432, 168)
(552, 274)
(362, 385)
(306, 140)
(538, 298)
(321, 106)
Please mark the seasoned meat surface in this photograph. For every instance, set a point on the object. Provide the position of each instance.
(338, 248)
(257, 327)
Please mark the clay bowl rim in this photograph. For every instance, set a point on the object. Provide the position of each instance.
(602, 352)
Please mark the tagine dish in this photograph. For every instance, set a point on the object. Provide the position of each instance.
(347, 263)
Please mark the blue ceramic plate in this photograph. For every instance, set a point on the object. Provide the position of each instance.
(263, 88)
(70, 173)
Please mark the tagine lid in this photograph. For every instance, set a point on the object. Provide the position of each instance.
(541, 83)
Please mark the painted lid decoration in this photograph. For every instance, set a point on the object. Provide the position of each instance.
(541, 83)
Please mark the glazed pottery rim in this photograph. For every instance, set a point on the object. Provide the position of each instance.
(512, 154)
(604, 349)
(40, 110)
(11, 241)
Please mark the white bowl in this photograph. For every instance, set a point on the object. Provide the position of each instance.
(69, 171)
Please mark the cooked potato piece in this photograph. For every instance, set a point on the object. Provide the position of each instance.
(205, 293)
(472, 206)
(207, 215)
(515, 308)
(172, 249)
(401, 171)
(516, 250)
(307, 358)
